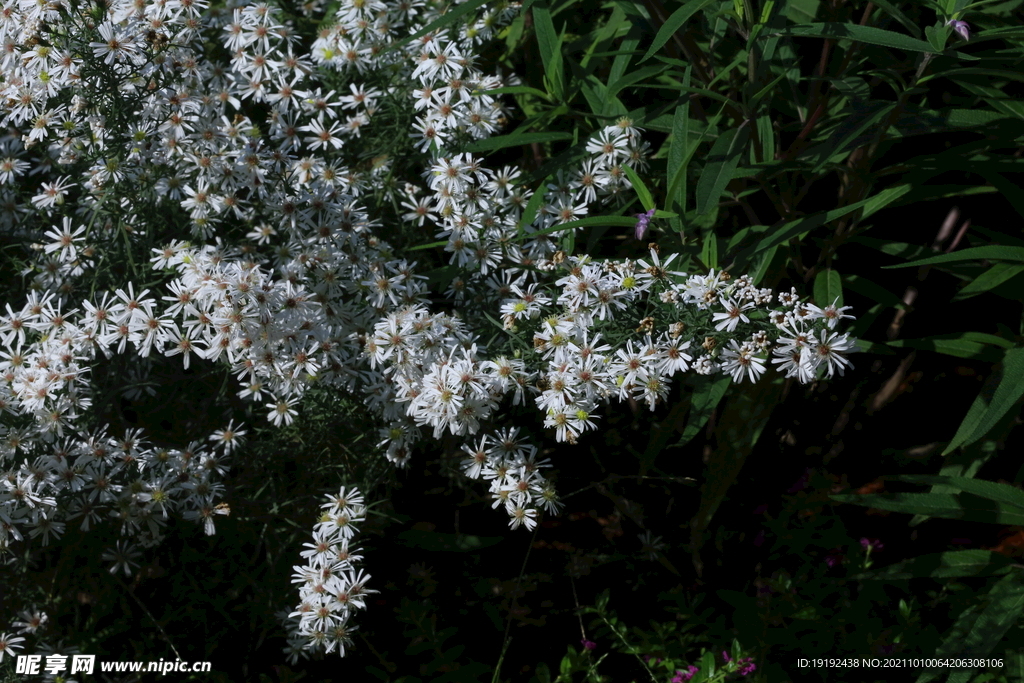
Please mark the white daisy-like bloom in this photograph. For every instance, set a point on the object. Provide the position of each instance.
(332, 587)
(734, 314)
(829, 349)
(742, 361)
(10, 645)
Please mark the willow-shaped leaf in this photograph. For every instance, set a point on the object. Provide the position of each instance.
(992, 252)
(862, 34)
(828, 288)
(673, 24)
(722, 161)
(954, 563)
(986, 411)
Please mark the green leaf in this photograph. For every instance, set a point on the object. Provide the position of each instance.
(884, 198)
(722, 161)
(862, 34)
(963, 506)
(594, 91)
(989, 280)
(431, 245)
(954, 563)
(965, 463)
(993, 252)
(937, 36)
(872, 290)
(566, 667)
(518, 90)
(986, 411)
(962, 345)
(709, 251)
(633, 77)
(1014, 660)
(853, 88)
(514, 140)
(956, 634)
(828, 288)
(901, 249)
(857, 118)
(550, 45)
(707, 664)
(673, 24)
(792, 229)
(677, 148)
(706, 398)
(981, 628)
(994, 97)
(677, 183)
(1003, 493)
(627, 52)
(569, 241)
(641, 189)
(766, 136)
(764, 264)
(899, 16)
(530, 212)
(801, 10)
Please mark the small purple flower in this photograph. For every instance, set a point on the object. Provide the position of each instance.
(683, 676)
(588, 644)
(871, 544)
(642, 223)
(961, 27)
(748, 666)
(725, 656)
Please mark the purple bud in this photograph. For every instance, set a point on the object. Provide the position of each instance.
(643, 220)
(588, 644)
(961, 27)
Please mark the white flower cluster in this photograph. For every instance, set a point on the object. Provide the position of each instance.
(480, 209)
(432, 365)
(582, 371)
(28, 623)
(127, 110)
(331, 587)
(58, 473)
(511, 466)
(278, 334)
(151, 121)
